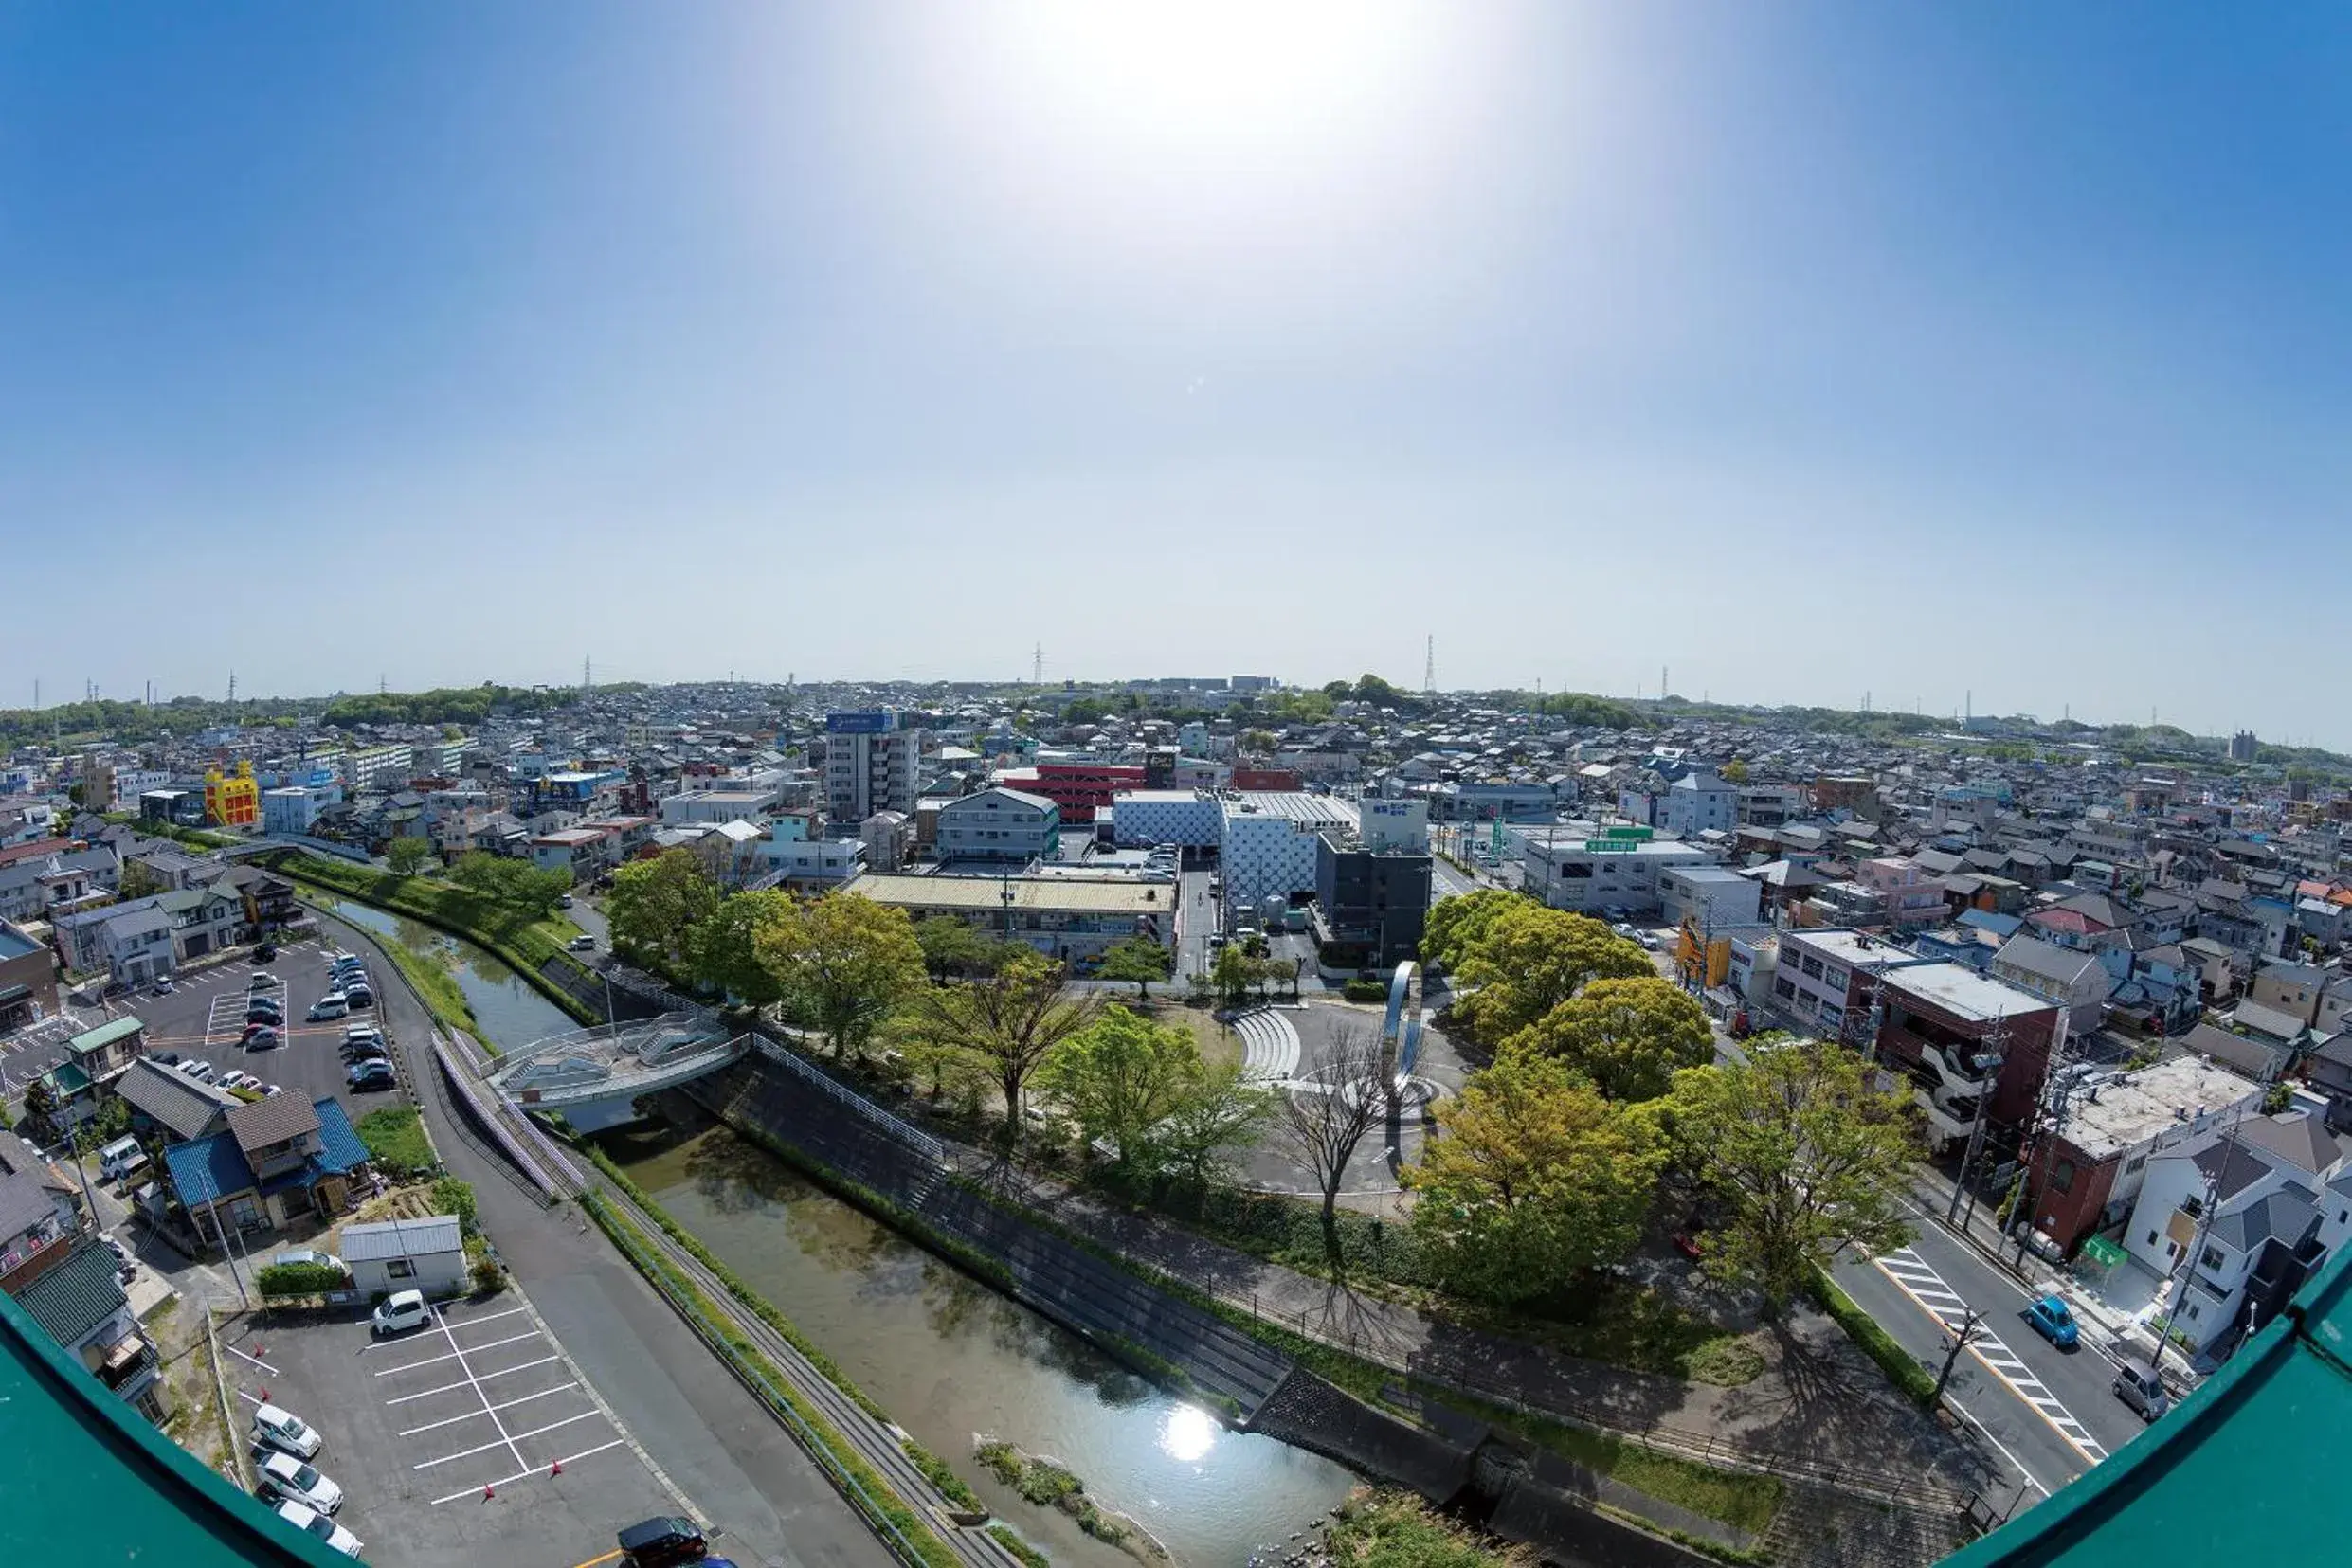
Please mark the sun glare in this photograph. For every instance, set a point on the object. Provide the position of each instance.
(1188, 1435)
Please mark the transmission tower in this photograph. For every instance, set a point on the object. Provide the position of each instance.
(232, 687)
(588, 673)
(1429, 667)
(1037, 665)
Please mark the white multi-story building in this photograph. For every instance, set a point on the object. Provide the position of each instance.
(1266, 843)
(1698, 803)
(377, 767)
(871, 763)
(293, 809)
(1707, 896)
(1578, 867)
(1190, 818)
(1000, 824)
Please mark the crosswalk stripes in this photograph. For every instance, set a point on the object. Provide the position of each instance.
(1916, 1279)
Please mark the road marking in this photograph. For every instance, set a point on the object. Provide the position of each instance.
(593, 1561)
(1988, 1348)
(449, 1334)
(452, 1388)
(504, 1441)
(249, 1399)
(491, 1317)
(525, 1475)
(256, 1360)
(476, 1414)
(457, 1355)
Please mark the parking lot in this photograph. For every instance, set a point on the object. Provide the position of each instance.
(473, 1439)
(204, 1017)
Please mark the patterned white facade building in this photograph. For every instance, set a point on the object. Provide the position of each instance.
(1191, 817)
(1267, 844)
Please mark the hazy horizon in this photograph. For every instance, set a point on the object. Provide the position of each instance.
(1808, 352)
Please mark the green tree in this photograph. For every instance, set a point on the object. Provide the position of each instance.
(510, 880)
(956, 950)
(1009, 1022)
(1231, 975)
(1734, 771)
(139, 880)
(1531, 959)
(723, 951)
(1136, 957)
(656, 907)
(1533, 1179)
(407, 854)
(1808, 1157)
(1456, 925)
(1119, 1078)
(841, 964)
(1258, 741)
(1219, 1111)
(1626, 1037)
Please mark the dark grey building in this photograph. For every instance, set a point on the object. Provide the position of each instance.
(1369, 904)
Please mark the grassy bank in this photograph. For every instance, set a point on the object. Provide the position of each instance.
(834, 1450)
(1901, 1368)
(934, 1469)
(395, 1138)
(1394, 1529)
(523, 939)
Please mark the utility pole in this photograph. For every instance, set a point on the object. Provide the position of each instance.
(1999, 1040)
(1960, 1336)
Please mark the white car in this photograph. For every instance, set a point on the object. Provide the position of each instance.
(283, 1476)
(304, 1517)
(400, 1311)
(333, 1005)
(285, 1432)
(236, 1079)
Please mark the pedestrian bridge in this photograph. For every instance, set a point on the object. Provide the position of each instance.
(616, 1061)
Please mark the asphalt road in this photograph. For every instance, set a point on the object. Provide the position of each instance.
(720, 1449)
(2052, 1413)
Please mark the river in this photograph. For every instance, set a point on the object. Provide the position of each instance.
(943, 1353)
(947, 1358)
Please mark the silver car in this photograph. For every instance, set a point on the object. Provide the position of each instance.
(2142, 1389)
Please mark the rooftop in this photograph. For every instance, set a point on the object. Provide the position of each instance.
(2141, 1107)
(391, 1238)
(1963, 993)
(1858, 949)
(1029, 892)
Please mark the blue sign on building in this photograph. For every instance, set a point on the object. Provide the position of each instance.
(867, 722)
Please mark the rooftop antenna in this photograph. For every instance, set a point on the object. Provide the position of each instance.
(1429, 667)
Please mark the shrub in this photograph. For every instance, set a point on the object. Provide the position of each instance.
(299, 1279)
(1365, 990)
(451, 1195)
(487, 1276)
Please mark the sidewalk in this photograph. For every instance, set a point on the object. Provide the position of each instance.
(1819, 1411)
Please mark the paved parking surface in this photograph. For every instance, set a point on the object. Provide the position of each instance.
(205, 1016)
(475, 1439)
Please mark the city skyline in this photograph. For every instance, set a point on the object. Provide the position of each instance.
(1809, 353)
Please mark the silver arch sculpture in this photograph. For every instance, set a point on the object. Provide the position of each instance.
(1401, 1032)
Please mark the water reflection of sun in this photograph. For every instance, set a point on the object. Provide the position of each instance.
(1188, 1435)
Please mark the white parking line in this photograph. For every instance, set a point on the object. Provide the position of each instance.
(451, 1388)
(254, 1360)
(478, 1414)
(525, 1475)
(493, 1317)
(457, 1355)
(451, 1337)
(504, 1441)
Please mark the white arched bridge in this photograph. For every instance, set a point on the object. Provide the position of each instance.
(616, 1061)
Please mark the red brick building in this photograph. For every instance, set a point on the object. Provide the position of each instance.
(1078, 788)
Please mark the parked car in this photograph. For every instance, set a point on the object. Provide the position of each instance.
(332, 1005)
(661, 1542)
(237, 1078)
(265, 953)
(357, 995)
(278, 1428)
(375, 1072)
(304, 1517)
(402, 1310)
(2142, 1389)
(263, 1037)
(198, 1068)
(2052, 1322)
(583, 943)
(284, 1476)
(119, 1158)
(262, 982)
(165, 1058)
(563, 901)
(162, 988)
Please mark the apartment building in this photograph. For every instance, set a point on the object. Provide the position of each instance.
(872, 763)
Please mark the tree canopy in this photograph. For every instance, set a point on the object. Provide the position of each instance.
(1534, 1179)
(656, 905)
(1009, 1020)
(1626, 1037)
(1530, 959)
(840, 964)
(722, 948)
(1809, 1158)
(1455, 924)
(1138, 959)
(510, 880)
(1142, 1087)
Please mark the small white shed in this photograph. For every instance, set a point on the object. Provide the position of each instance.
(426, 1255)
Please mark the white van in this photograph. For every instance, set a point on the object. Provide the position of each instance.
(119, 1158)
(332, 1005)
(285, 1432)
(402, 1311)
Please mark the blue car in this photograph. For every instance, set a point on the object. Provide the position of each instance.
(2052, 1322)
(372, 1075)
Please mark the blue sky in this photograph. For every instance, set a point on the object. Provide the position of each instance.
(1805, 349)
